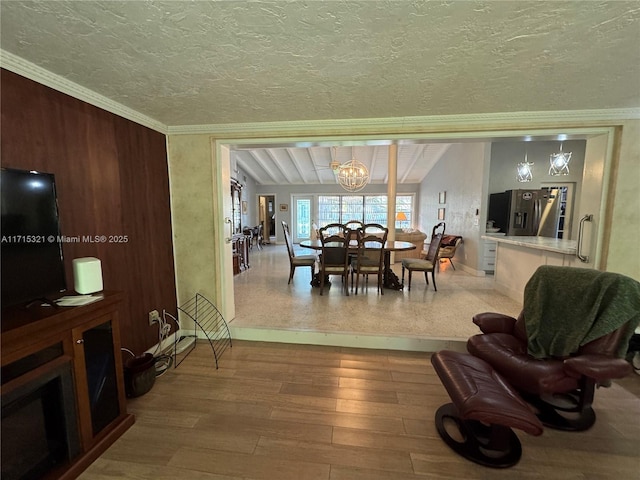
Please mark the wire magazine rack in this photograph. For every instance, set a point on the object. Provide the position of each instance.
(208, 319)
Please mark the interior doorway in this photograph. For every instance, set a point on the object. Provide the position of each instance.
(267, 216)
(591, 197)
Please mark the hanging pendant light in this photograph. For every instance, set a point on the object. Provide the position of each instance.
(353, 175)
(525, 169)
(559, 162)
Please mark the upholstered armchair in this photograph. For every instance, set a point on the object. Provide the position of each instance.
(416, 237)
(571, 336)
(448, 247)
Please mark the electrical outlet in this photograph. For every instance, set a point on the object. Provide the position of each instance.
(154, 316)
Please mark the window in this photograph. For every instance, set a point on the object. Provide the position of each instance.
(352, 208)
(404, 204)
(376, 209)
(328, 210)
(365, 208)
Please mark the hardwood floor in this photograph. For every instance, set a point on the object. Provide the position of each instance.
(286, 411)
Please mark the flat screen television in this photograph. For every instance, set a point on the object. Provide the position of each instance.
(31, 256)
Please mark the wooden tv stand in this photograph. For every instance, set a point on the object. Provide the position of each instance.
(84, 337)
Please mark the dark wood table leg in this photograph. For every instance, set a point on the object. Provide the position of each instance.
(390, 279)
(315, 281)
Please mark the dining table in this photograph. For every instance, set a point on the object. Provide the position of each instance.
(389, 279)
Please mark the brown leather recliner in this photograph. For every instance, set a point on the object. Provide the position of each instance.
(561, 387)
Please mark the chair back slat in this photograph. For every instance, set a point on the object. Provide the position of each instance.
(434, 247)
(287, 239)
(334, 238)
(332, 229)
(334, 259)
(436, 239)
(301, 261)
(352, 235)
(354, 225)
(370, 258)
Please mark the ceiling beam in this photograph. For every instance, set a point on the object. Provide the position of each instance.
(276, 161)
(296, 164)
(256, 156)
(372, 161)
(241, 163)
(414, 159)
(316, 167)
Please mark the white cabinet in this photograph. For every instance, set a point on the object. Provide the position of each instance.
(488, 256)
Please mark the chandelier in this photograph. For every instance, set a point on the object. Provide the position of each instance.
(353, 175)
(525, 170)
(559, 162)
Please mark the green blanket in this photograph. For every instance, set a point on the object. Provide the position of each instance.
(567, 307)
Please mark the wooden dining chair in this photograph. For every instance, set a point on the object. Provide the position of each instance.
(297, 261)
(352, 233)
(334, 257)
(354, 225)
(370, 258)
(430, 262)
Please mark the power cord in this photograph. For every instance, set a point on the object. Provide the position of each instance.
(162, 361)
(184, 342)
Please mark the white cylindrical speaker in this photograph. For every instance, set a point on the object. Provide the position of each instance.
(87, 274)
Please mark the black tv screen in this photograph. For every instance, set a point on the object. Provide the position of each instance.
(32, 263)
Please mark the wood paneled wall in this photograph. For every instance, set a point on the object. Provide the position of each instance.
(112, 179)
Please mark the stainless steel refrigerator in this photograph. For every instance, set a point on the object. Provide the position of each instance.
(526, 212)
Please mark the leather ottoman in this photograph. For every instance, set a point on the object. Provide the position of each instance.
(484, 407)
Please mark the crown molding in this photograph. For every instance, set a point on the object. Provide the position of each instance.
(398, 125)
(422, 123)
(38, 74)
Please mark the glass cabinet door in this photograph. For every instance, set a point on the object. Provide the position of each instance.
(101, 375)
(100, 369)
(96, 375)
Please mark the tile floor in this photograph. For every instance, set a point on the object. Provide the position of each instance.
(264, 300)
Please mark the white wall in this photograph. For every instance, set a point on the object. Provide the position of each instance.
(461, 173)
(505, 157)
(468, 172)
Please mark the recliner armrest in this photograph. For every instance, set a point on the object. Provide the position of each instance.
(491, 322)
(598, 367)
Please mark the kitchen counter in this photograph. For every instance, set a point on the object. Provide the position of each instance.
(566, 247)
(517, 258)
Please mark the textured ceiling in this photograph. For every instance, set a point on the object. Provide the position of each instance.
(219, 62)
(194, 63)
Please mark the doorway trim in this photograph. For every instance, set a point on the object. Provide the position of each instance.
(324, 136)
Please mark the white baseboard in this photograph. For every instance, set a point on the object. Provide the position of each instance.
(470, 271)
(354, 340)
(167, 343)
